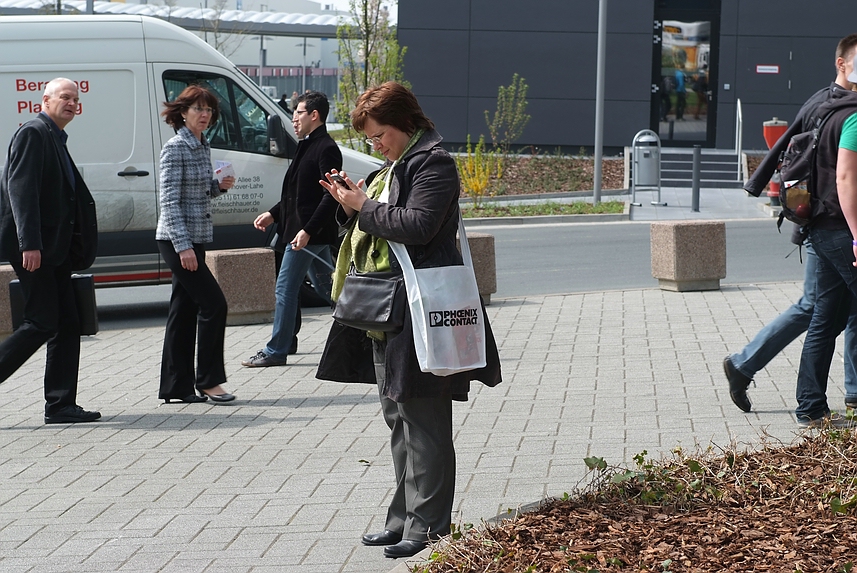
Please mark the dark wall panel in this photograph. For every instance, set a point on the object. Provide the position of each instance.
(436, 14)
(541, 16)
(446, 73)
(554, 65)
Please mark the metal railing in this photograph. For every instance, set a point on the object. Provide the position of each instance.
(739, 136)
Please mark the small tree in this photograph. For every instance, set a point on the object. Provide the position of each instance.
(511, 116)
(369, 54)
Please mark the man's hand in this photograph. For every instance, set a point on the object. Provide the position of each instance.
(228, 182)
(263, 220)
(188, 259)
(32, 260)
(300, 241)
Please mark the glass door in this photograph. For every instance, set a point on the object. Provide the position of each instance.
(684, 74)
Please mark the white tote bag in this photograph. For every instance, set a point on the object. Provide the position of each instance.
(446, 311)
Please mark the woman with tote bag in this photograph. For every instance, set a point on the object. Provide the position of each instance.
(412, 201)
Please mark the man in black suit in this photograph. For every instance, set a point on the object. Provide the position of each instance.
(47, 230)
(305, 223)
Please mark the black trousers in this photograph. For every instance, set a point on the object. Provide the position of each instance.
(197, 316)
(50, 315)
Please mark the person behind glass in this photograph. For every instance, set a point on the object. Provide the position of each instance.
(421, 212)
(187, 186)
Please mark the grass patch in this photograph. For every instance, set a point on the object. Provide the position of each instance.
(547, 208)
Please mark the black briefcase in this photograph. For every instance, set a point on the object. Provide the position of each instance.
(84, 295)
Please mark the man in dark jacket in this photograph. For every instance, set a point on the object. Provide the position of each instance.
(780, 332)
(305, 222)
(47, 230)
(832, 234)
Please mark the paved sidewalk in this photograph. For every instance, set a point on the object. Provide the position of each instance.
(288, 477)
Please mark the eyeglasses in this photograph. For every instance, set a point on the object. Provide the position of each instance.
(300, 111)
(198, 109)
(373, 141)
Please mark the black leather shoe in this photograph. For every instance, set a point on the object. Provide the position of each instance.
(293, 349)
(217, 397)
(386, 537)
(190, 399)
(405, 548)
(71, 415)
(738, 384)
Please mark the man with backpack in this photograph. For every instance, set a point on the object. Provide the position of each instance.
(794, 321)
(833, 228)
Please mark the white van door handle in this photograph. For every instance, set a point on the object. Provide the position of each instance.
(132, 173)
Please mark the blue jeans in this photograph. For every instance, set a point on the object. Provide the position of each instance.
(793, 322)
(287, 290)
(836, 285)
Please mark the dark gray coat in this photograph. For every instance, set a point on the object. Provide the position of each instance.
(424, 193)
(40, 210)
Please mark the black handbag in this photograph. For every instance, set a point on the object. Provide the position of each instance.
(372, 301)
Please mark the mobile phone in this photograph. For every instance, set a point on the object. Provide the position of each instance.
(336, 178)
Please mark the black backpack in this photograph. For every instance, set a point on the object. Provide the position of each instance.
(798, 194)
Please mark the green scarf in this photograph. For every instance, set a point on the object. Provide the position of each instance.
(368, 253)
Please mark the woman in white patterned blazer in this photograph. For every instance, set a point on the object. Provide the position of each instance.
(187, 186)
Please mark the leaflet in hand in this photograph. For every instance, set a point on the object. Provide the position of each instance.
(223, 169)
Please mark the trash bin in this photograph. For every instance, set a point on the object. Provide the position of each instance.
(773, 130)
(646, 167)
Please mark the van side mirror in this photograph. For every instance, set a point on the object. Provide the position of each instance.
(279, 142)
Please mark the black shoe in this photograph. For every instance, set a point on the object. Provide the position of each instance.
(293, 349)
(217, 397)
(405, 548)
(191, 399)
(386, 537)
(738, 384)
(71, 415)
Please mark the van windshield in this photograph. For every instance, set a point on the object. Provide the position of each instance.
(243, 123)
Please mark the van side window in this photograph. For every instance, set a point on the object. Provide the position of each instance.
(243, 124)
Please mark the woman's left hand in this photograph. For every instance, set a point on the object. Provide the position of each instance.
(351, 197)
(228, 182)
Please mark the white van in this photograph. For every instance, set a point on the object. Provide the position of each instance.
(125, 68)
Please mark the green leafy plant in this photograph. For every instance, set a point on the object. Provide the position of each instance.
(511, 117)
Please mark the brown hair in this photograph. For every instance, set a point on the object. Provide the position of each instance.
(392, 104)
(846, 46)
(191, 95)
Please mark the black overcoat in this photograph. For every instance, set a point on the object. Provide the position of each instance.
(40, 210)
(304, 203)
(424, 192)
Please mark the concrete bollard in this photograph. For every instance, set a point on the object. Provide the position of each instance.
(484, 262)
(247, 279)
(7, 275)
(688, 255)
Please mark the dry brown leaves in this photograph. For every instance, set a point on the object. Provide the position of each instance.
(767, 510)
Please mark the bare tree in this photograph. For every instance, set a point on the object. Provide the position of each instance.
(225, 42)
(369, 54)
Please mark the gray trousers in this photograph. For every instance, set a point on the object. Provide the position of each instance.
(423, 459)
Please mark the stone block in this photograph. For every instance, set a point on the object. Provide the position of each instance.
(484, 262)
(7, 275)
(246, 277)
(688, 255)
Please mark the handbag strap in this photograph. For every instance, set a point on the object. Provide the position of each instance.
(404, 259)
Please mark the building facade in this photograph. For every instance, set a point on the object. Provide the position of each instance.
(678, 67)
